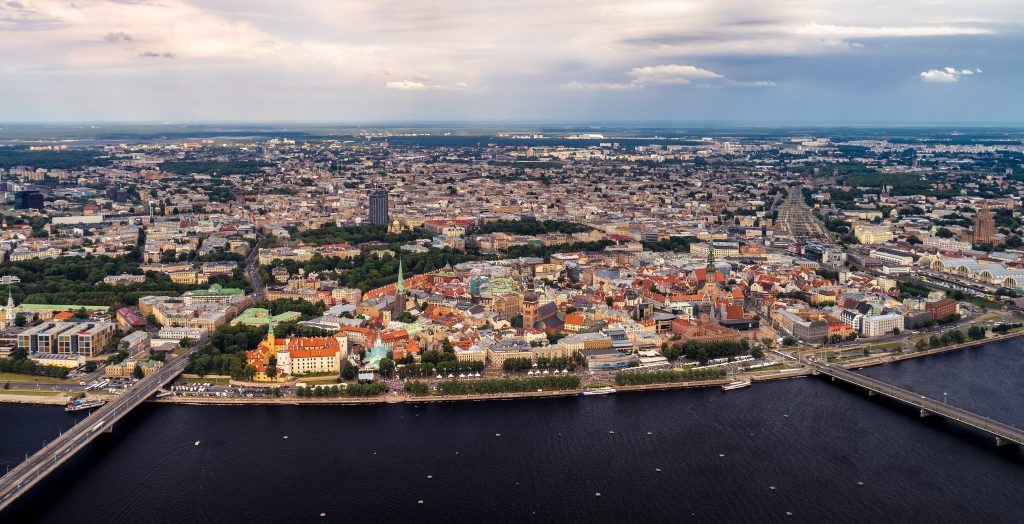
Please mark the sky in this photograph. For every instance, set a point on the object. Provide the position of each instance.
(730, 61)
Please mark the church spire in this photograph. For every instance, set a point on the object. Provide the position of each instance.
(401, 281)
(270, 330)
(709, 271)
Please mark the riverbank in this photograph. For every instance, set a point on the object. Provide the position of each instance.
(51, 398)
(887, 358)
(56, 398)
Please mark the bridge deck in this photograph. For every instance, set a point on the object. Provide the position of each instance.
(25, 475)
(1000, 430)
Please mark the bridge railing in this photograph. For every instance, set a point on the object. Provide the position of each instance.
(1000, 429)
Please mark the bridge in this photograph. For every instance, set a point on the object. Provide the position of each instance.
(25, 475)
(1004, 434)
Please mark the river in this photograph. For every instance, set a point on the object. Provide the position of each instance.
(831, 453)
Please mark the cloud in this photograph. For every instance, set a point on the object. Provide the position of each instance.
(841, 31)
(669, 74)
(327, 47)
(665, 74)
(947, 74)
(418, 85)
(119, 36)
(752, 83)
(599, 86)
(152, 54)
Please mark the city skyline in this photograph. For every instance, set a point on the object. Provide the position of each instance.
(733, 62)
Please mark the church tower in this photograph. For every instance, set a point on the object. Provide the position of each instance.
(530, 303)
(710, 270)
(270, 332)
(399, 305)
(10, 313)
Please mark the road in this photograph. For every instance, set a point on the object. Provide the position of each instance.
(252, 271)
(1002, 432)
(36, 467)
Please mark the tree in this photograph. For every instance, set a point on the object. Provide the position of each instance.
(81, 314)
(272, 366)
(137, 372)
(348, 371)
(387, 367)
(976, 332)
(20, 320)
(89, 367)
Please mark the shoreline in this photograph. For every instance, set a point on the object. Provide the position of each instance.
(781, 374)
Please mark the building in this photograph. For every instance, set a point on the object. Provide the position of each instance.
(530, 305)
(126, 368)
(127, 319)
(878, 325)
(378, 203)
(984, 226)
(499, 352)
(64, 361)
(718, 249)
(277, 359)
(607, 359)
(29, 199)
(216, 294)
(810, 327)
(134, 342)
(947, 244)
(75, 338)
(941, 309)
(312, 355)
(867, 234)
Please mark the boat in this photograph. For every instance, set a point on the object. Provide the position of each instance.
(599, 391)
(80, 405)
(736, 385)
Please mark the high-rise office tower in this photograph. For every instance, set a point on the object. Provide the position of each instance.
(984, 225)
(379, 206)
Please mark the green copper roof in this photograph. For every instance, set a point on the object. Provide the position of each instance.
(401, 281)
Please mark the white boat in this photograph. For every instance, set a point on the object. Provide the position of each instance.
(736, 385)
(599, 391)
(80, 405)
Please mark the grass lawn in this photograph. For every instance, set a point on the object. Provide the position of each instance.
(890, 346)
(319, 380)
(19, 377)
(31, 393)
(207, 380)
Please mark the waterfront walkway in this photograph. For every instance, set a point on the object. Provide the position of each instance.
(1003, 433)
